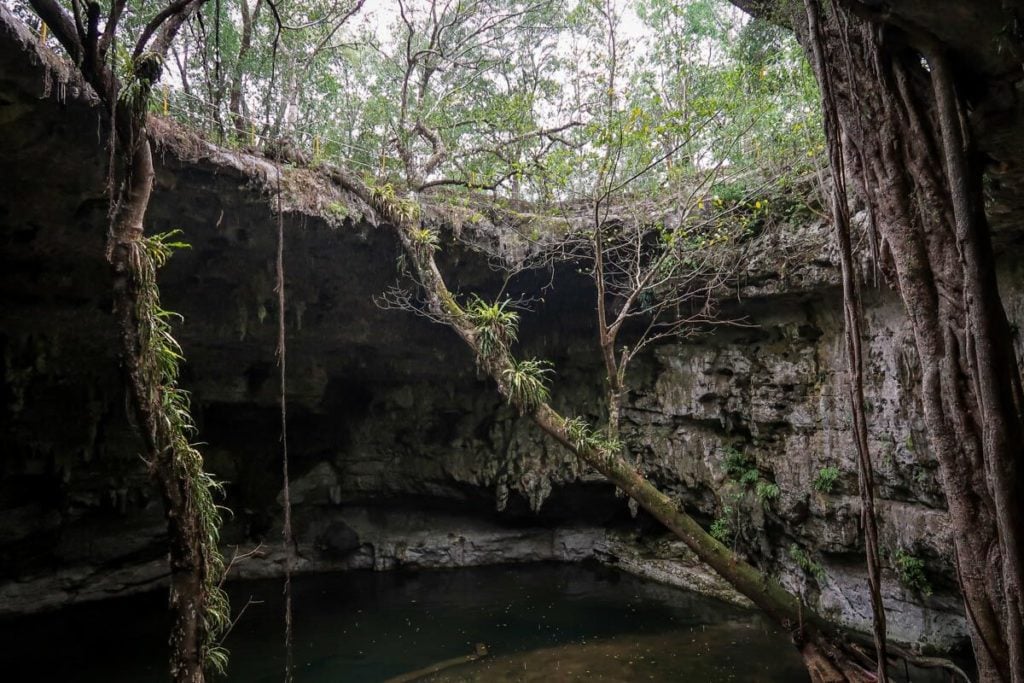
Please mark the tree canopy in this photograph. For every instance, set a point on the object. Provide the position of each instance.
(531, 99)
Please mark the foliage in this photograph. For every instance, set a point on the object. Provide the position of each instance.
(767, 491)
(740, 467)
(826, 480)
(910, 570)
(520, 96)
(579, 433)
(721, 528)
(339, 211)
(743, 480)
(583, 437)
(496, 324)
(603, 443)
(403, 211)
(160, 359)
(805, 563)
(742, 470)
(425, 239)
(137, 82)
(526, 382)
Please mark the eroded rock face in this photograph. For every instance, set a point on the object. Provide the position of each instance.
(778, 394)
(401, 455)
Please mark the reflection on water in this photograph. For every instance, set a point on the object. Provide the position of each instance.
(707, 654)
(539, 623)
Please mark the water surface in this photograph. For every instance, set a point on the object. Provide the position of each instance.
(544, 622)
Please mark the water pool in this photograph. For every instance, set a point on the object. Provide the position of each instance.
(543, 622)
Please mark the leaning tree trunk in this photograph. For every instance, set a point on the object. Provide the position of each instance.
(829, 657)
(904, 127)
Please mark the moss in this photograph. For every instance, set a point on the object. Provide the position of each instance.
(338, 211)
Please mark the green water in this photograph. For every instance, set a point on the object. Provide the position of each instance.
(539, 622)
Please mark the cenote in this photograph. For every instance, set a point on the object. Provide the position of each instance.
(541, 622)
(471, 312)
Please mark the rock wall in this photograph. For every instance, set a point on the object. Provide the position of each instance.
(401, 454)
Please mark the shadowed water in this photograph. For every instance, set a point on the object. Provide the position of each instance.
(539, 623)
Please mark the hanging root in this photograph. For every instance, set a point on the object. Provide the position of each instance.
(852, 317)
(281, 360)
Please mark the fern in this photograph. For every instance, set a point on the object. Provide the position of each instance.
(721, 527)
(910, 570)
(805, 563)
(826, 480)
(767, 491)
(739, 466)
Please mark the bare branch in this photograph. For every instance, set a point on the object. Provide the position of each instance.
(61, 25)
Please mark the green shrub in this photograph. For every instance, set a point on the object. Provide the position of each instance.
(826, 480)
(910, 570)
(805, 563)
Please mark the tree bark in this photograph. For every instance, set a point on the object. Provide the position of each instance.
(184, 533)
(905, 124)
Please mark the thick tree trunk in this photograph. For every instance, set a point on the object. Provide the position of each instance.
(183, 526)
(904, 123)
(194, 557)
